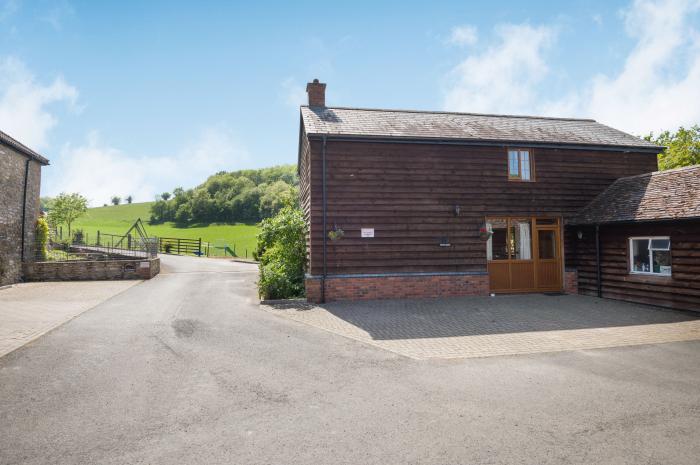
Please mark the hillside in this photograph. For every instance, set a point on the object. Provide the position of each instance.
(118, 219)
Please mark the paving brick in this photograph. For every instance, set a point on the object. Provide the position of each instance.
(503, 325)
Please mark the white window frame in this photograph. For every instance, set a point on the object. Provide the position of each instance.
(651, 255)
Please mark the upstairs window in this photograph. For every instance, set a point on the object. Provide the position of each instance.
(650, 255)
(519, 165)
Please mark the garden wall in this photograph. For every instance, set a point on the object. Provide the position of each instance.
(92, 270)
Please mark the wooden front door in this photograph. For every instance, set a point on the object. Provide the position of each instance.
(524, 254)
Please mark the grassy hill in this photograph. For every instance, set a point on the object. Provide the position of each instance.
(118, 219)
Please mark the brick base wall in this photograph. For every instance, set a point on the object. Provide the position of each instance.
(87, 270)
(397, 287)
(571, 282)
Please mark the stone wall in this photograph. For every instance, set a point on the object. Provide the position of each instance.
(89, 270)
(397, 286)
(12, 170)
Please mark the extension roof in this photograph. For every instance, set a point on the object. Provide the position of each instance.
(9, 141)
(662, 195)
(466, 128)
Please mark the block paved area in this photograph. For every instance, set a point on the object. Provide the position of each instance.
(491, 326)
(29, 310)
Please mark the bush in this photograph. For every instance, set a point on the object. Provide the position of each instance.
(42, 239)
(282, 253)
(78, 236)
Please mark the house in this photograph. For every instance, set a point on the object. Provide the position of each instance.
(20, 180)
(639, 240)
(423, 204)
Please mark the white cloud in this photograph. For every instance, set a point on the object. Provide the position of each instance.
(502, 77)
(24, 101)
(99, 171)
(463, 35)
(657, 86)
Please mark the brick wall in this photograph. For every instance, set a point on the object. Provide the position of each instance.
(571, 282)
(397, 287)
(12, 169)
(88, 270)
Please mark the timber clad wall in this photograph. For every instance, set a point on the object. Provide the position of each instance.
(407, 192)
(681, 290)
(12, 168)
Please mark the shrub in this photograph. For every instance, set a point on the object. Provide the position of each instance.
(282, 254)
(42, 239)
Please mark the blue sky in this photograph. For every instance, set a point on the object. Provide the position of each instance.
(138, 98)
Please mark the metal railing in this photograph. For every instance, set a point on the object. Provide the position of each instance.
(101, 247)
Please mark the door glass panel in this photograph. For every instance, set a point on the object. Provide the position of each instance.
(519, 240)
(497, 245)
(547, 244)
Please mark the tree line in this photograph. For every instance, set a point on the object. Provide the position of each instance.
(244, 196)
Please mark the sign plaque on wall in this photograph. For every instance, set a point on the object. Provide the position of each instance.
(367, 232)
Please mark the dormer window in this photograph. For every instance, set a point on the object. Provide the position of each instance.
(519, 165)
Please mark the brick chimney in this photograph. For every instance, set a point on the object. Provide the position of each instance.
(317, 93)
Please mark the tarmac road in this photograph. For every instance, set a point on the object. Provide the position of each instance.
(187, 369)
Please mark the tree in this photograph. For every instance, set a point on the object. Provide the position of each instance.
(116, 200)
(129, 199)
(67, 208)
(682, 147)
(165, 196)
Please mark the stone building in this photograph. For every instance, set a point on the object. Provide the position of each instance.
(20, 181)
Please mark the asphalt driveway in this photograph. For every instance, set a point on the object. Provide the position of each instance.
(187, 368)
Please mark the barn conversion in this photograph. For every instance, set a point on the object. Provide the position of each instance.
(424, 204)
(20, 180)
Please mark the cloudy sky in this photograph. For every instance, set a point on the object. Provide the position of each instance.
(139, 98)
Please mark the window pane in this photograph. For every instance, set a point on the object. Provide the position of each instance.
(640, 255)
(520, 240)
(513, 169)
(660, 244)
(661, 261)
(547, 244)
(525, 165)
(499, 239)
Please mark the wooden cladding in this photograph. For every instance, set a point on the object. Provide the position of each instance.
(408, 193)
(680, 290)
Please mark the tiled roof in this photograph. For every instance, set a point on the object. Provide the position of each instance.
(408, 124)
(7, 140)
(662, 195)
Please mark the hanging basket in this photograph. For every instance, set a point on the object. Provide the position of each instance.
(485, 234)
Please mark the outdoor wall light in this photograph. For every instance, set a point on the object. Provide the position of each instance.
(579, 234)
(455, 210)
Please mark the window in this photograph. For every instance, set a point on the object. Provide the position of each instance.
(650, 255)
(510, 239)
(519, 165)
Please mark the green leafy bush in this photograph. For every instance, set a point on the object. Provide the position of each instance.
(42, 239)
(282, 254)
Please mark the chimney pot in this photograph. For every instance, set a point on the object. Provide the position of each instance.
(317, 93)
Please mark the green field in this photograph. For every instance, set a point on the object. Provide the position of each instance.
(118, 219)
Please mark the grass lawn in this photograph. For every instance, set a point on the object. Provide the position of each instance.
(118, 219)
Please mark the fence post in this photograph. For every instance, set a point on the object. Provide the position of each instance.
(128, 241)
(199, 250)
(98, 237)
(178, 246)
(60, 232)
